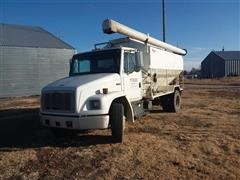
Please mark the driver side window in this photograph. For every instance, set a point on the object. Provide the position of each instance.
(129, 62)
(82, 66)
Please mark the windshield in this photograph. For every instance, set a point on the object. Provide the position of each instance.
(107, 61)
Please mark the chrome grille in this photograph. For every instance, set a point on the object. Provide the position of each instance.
(58, 101)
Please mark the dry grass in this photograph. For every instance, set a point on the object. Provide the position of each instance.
(200, 142)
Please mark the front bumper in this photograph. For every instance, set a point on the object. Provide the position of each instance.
(75, 122)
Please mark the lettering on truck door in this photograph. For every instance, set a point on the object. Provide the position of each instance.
(132, 78)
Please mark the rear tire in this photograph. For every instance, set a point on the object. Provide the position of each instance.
(117, 122)
(171, 102)
(177, 101)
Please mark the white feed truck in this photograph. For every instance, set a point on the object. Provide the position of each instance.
(117, 82)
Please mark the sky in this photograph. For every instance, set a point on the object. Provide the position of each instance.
(199, 26)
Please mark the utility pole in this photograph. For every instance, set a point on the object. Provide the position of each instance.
(163, 16)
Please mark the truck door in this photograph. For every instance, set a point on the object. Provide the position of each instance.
(132, 77)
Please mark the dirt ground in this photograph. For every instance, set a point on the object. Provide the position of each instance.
(200, 142)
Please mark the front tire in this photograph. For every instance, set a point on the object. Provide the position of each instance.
(117, 122)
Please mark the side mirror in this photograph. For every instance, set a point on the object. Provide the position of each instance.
(139, 60)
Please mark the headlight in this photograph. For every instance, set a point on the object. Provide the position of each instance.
(95, 104)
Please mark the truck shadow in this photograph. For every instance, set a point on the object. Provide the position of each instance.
(152, 111)
(20, 128)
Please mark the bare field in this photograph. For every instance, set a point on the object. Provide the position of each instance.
(200, 142)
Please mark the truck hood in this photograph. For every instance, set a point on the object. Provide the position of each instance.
(86, 80)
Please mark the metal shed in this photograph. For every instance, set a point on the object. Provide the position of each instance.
(221, 63)
(30, 57)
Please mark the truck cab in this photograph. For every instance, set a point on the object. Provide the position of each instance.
(97, 80)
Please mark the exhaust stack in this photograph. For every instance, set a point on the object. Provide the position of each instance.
(110, 26)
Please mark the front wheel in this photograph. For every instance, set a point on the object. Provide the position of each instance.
(117, 122)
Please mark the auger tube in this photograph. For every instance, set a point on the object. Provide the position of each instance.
(110, 26)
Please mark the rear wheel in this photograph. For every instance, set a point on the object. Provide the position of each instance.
(177, 101)
(171, 102)
(117, 122)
